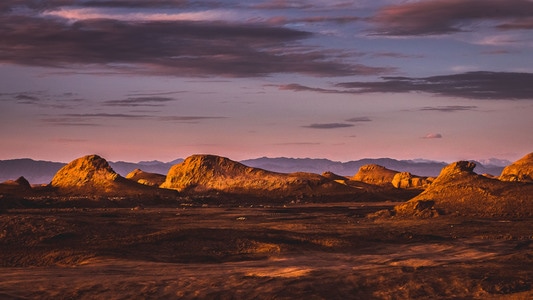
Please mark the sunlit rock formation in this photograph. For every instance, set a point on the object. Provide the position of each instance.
(214, 174)
(91, 175)
(521, 170)
(458, 190)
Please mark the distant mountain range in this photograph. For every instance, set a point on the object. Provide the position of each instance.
(37, 172)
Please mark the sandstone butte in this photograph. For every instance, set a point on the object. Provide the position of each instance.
(214, 174)
(460, 191)
(92, 175)
(521, 170)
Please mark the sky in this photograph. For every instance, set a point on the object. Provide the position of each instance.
(145, 80)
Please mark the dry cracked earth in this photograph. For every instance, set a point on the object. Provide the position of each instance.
(313, 251)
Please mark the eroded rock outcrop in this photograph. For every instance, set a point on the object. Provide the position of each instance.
(521, 170)
(458, 190)
(406, 180)
(205, 174)
(375, 174)
(146, 178)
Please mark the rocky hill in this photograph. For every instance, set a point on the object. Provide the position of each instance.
(93, 176)
(521, 170)
(460, 191)
(208, 174)
(146, 178)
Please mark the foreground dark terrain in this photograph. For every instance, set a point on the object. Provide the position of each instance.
(313, 251)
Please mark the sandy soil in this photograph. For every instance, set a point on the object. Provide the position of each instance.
(308, 251)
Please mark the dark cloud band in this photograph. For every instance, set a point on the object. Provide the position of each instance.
(173, 48)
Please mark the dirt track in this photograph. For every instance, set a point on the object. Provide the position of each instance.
(312, 252)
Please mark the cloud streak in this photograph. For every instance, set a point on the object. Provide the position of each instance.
(140, 101)
(189, 119)
(448, 108)
(471, 85)
(328, 125)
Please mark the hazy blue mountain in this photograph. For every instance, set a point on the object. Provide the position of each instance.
(35, 171)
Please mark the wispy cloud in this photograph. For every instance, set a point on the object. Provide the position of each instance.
(140, 101)
(359, 119)
(106, 115)
(297, 144)
(448, 108)
(43, 99)
(469, 85)
(450, 16)
(69, 121)
(302, 88)
(67, 140)
(328, 125)
(87, 119)
(189, 119)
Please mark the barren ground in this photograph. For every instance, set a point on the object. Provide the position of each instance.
(307, 251)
